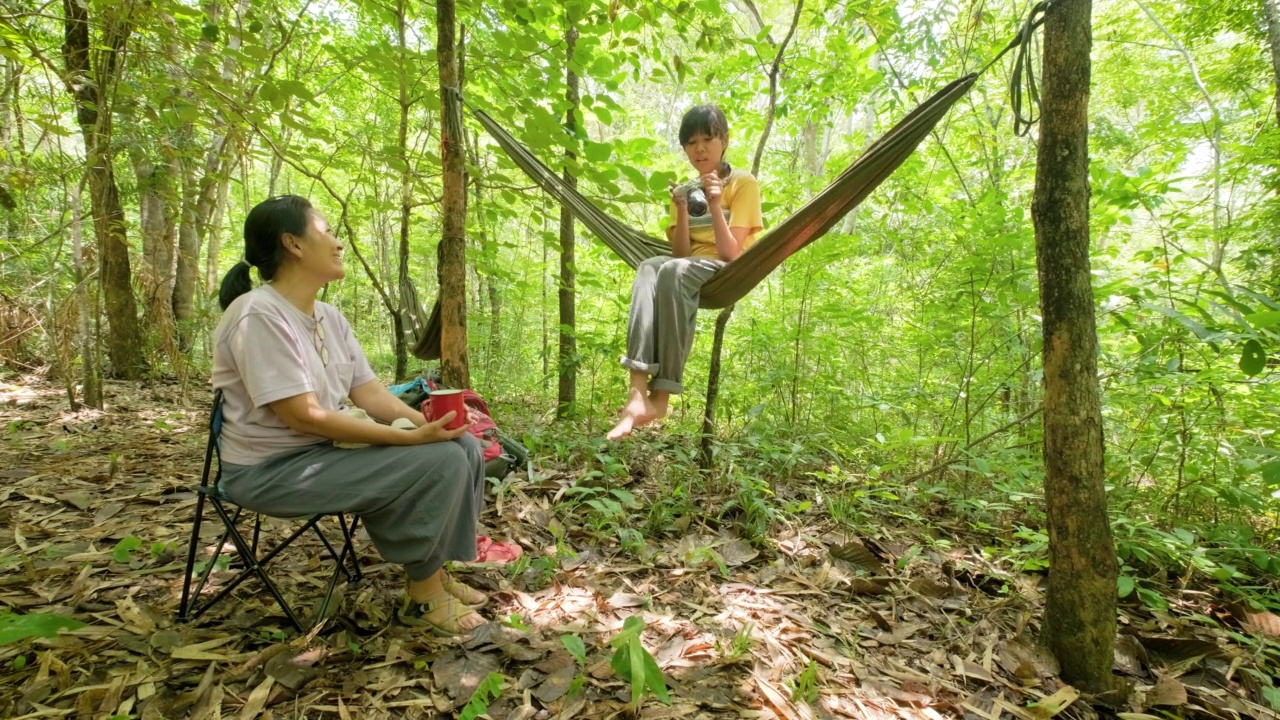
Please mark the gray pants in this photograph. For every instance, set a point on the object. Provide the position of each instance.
(664, 311)
(419, 503)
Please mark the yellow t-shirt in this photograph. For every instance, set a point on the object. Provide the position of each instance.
(740, 202)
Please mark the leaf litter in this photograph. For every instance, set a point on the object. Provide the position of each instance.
(814, 623)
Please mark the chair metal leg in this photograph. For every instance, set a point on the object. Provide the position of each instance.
(184, 607)
(345, 560)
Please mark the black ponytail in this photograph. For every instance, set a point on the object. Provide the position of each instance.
(234, 284)
(263, 226)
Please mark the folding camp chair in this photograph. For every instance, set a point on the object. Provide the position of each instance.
(248, 558)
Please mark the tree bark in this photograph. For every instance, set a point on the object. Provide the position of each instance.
(452, 254)
(187, 263)
(1080, 623)
(90, 84)
(1272, 9)
(211, 195)
(406, 198)
(158, 227)
(568, 363)
(91, 378)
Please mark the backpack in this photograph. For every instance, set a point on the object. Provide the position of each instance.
(502, 454)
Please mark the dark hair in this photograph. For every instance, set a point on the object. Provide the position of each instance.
(704, 119)
(265, 223)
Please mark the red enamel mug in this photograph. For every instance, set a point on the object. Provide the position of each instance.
(440, 402)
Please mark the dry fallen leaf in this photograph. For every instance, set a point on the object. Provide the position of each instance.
(1055, 703)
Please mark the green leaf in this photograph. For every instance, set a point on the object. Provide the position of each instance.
(46, 625)
(1253, 359)
(124, 547)
(187, 113)
(576, 648)
(1125, 586)
(1152, 599)
(1264, 319)
(485, 693)
(597, 152)
(653, 678)
(658, 181)
(209, 31)
(1271, 473)
(636, 653)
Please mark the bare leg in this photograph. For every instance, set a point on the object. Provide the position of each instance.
(638, 411)
(659, 400)
(445, 611)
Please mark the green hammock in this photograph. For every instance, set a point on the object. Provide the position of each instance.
(739, 277)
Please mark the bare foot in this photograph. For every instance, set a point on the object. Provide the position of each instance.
(635, 413)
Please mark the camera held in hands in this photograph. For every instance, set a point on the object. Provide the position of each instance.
(696, 196)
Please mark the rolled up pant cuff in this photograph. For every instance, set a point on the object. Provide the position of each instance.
(648, 368)
(665, 385)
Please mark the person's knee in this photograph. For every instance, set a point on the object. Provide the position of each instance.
(472, 450)
(669, 274)
(650, 268)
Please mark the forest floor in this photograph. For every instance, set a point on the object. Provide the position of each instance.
(813, 622)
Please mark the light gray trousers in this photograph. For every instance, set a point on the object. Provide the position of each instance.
(664, 312)
(419, 503)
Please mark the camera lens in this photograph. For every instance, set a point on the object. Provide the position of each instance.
(697, 202)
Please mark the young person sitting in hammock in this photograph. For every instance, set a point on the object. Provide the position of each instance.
(704, 238)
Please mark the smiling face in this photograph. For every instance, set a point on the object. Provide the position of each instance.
(705, 151)
(317, 253)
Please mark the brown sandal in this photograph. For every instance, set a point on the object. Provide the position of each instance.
(465, 593)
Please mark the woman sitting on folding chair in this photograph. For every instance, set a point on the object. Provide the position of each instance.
(287, 363)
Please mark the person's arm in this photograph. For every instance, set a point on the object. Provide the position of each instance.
(728, 240)
(373, 398)
(678, 231)
(303, 414)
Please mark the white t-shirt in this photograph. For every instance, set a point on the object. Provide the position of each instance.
(266, 349)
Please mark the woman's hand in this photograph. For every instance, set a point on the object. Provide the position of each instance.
(303, 414)
(435, 431)
(713, 186)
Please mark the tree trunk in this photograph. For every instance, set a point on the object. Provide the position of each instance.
(90, 87)
(452, 254)
(211, 234)
(158, 228)
(406, 197)
(187, 263)
(10, 118)
(1080, 611)
(211, 197)
(568, 363)
(91, 380)
(1272, 9)
(489, 252)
